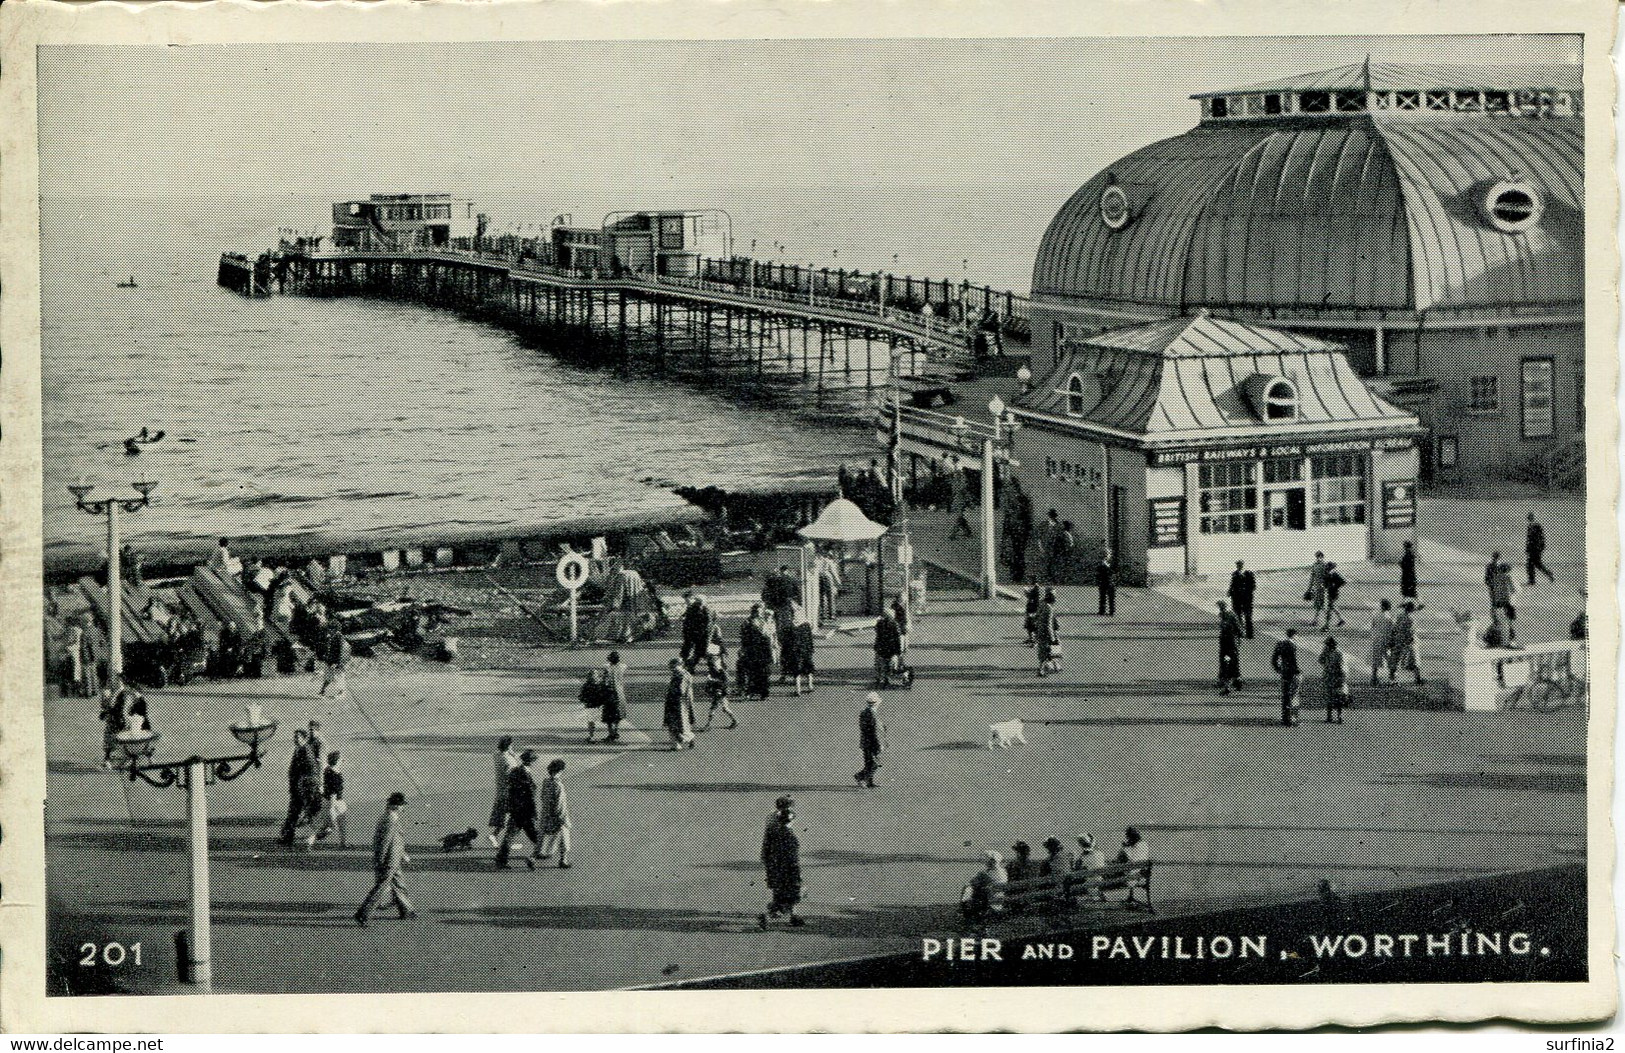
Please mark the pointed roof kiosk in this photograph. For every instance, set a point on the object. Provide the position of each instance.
(1189, 443)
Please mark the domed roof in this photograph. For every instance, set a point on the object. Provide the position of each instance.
(1296, 195)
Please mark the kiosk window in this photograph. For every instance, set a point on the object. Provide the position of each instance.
(1340, 494)
(1538, 408)
(1229, 498)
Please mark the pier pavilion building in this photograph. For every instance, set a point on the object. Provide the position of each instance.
(397, 221)
(1428, 219)
(668, 243)
(1189, 443)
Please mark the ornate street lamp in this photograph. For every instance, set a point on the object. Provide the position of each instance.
(1025, 375)
(985, 444)
(195, 773)
(110, 507)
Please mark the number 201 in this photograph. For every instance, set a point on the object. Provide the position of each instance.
(114, 954)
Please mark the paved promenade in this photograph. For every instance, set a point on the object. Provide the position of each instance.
(666, 883)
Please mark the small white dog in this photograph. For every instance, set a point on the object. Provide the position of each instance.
(1003, 736)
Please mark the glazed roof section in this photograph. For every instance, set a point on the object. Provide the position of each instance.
(1353, 211)
(1187, 378)
(1390, 76)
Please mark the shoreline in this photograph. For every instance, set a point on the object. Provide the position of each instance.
(536, 540)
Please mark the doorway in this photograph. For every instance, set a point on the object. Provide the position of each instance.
(1286, 508)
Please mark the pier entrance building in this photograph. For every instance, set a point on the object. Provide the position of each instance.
(1429, 219)
(402, 221)
(1189, 443)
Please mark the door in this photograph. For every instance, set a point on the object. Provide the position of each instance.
(1286, 508)
(1114, 522)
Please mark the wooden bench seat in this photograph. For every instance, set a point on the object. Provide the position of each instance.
(1064, 891)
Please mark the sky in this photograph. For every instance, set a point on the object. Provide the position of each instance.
(627, 116)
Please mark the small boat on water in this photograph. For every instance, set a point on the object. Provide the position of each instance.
(129, 284)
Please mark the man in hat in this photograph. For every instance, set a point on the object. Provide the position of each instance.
(888, 646)
(781, 859)
(304, 793)
(1285, 663)
(521, 812)
(700, 630)
(1243, 586)
(1106, 583)
(388, 856)
(1229, 650)
(1534, 551)
(872, 739)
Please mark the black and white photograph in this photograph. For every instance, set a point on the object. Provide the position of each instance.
(659, 513)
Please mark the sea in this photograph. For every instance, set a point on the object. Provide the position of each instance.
(292, 416)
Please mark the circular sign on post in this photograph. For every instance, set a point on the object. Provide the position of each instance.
(572, 571)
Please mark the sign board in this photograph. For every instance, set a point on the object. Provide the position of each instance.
(1167, 522)
(572, 571)
(1399, 504)
(1264, 451)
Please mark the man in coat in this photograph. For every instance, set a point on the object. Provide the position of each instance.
(888, 646)
(871, 739)
(1106, 583)
(504, 761)
(1534, 550)
(1243, 586)
(304, 792)
(781, 860)
(521, 812)
(700, 631)
(388, 856)
(1048, 531)
(1229, 650)
(1285, 663)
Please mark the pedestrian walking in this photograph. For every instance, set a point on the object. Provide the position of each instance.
(716, 685)
(613, 675)
(1334, 675)
(1315, 594)
(781, 860)
(1029, 620)
(304, 793)
(334, 810)
(1492, 570)
(1403, 654)
(802, 646)
(1285, 663)
(678, 715)
(335, 655)
(503, 762)
(1382, 640)
(1229, 650)
(1407, 572)
(1048, 531)
(888, 646)
(700, 631)
(553, 815)
(1502, 591)
(899, 610)
(522, 812)
(388, 857)
(1106, 584)
(1243, 586)
(1534, 550)
(755, 655)
(1049, 636)
(1334, 589)
(871, 740)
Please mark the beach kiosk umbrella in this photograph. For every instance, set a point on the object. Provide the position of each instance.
(841, 520)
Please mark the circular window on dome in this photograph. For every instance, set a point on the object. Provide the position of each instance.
(1280, 400)
(1512, 206)
(1114, 210)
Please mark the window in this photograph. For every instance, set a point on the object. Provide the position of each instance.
(1407, 100)
(1059, 333)
(1339, 489)
(1348, 101)
(1074, 396)
(1512, 207)
(1314, 102)
(1280, 400)
(1218, 108)
(1436, 100)
(1486, 395)
(1272, 103)
(1497, 102)
(1539, 383)
(1229, 498)
(1283, 470)
(1449, 452)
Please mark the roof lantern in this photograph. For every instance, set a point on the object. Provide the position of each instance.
(1393, 88)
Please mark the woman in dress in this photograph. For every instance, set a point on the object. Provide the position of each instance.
(800, 662)
(614, 711)
(679, 711)
(755, 654)
(1049, 636)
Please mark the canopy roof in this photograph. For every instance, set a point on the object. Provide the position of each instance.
(841, 520)
(1392, 76)
(1202, 378)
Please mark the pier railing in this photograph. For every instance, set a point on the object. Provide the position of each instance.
(950, 323)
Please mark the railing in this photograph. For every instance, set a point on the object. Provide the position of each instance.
(1542, 677)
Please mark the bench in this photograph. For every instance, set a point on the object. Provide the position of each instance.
(1063, 891)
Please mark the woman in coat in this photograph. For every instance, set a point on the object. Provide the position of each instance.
(800, 659)
(755, 654)
(679, 712)
(614, 711)
(1049, 636)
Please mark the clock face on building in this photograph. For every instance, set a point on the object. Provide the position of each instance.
(1114, 210)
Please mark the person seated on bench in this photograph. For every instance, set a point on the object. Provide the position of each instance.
(1054, 864)
(1021, 867)
(1087, 857)
(985, 893)
(1135, 851)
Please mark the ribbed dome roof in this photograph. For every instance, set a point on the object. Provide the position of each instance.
(1370, 210)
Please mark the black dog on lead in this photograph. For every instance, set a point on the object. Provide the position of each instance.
(459, 842)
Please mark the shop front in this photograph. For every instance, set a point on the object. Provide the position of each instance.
(1188, 444)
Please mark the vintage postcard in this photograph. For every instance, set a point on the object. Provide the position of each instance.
(694, 516)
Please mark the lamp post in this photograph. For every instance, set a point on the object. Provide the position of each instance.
(110, 508)
(1025, 375)
(195, 773)
(988, 444)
